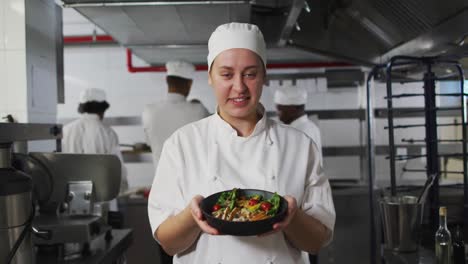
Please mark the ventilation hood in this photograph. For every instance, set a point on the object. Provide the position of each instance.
(364, 32)
(372, 31)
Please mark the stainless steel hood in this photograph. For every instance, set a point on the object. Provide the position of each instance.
(157, 31)
(364, 32)
(371, 31)
(166, 24)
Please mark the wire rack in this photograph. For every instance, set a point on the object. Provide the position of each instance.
(431, 139)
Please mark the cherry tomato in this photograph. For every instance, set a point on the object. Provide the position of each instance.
(216, 207)
(253, 202)
(266, 206)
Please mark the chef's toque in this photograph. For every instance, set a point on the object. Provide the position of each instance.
(290, 95)
(236, 35)
(92, 94)
(180, 69)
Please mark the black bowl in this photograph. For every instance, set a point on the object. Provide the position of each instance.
(242, 228)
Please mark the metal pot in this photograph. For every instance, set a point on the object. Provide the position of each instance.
(401, 220)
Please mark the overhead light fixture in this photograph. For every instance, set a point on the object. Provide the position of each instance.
(298, 28)
(306, 6)
(426, 45)
(463, 40)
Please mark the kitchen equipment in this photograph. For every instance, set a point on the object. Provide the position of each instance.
(71, 192)
(401, 221)
(430, 146)
(47, 202)
(242, 228)
(16, 212)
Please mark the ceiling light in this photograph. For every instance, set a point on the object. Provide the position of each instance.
(298, 28)
(306, 7)
(463, 40)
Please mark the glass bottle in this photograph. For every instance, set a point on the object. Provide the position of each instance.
(443, 240)
(458, 247)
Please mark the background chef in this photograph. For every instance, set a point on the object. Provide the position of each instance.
(239, 147)
(290, 106)
(89, 135)
(162, 118)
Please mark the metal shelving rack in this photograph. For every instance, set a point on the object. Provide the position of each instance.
(430, 111)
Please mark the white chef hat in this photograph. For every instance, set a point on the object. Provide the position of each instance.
(236, 35)
(290, 95)
(181, 69)
(92, 94)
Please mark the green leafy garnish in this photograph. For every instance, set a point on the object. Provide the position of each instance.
(228, 199)
(223, 198)
(275, 201)
(232, 203)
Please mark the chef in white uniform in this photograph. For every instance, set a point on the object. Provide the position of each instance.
(290, 106)
(162, 118)
(239, 146)
(89, 135)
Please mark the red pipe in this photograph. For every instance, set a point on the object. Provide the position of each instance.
(134, 69)
(204, 67)
(87, 39)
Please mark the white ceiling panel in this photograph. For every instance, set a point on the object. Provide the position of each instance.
(75, 24)
(164, 25)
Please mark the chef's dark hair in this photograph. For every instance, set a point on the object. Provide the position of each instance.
(179, 82)
(93, 107)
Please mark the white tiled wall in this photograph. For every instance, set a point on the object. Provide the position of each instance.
(3, 98)
(15, 62)
(2, 25)
(13, 59)
(15, 31)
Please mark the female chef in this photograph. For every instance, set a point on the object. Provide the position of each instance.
(240, 147)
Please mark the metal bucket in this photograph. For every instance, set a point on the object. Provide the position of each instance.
(401, 221)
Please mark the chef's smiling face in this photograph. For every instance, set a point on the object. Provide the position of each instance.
(237, 77)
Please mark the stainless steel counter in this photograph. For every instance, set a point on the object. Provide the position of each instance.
(103, 251)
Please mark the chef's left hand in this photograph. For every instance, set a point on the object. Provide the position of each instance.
(292, 210)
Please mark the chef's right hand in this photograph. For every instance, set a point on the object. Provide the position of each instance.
(198, 216)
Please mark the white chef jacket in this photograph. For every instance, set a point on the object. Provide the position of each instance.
(88, 135)
(306, 125)
(208, 156)
(161, 119)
